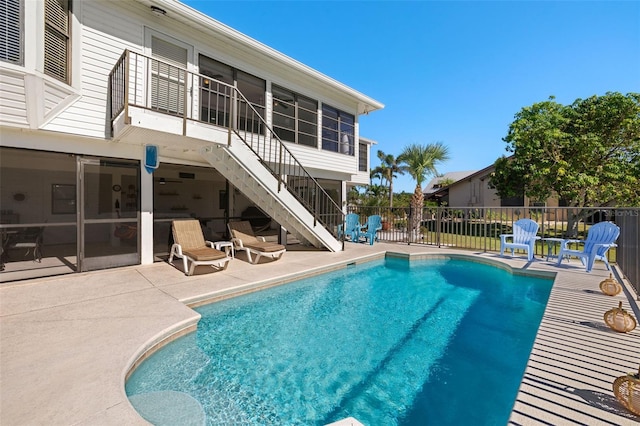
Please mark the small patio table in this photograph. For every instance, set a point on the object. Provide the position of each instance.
(228, 247)
(551, 243)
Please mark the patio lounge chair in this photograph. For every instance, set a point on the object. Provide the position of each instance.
(190, 245)
(523, 238)
(243, 238)
(351, 228)
(600, 238)
(370, 230)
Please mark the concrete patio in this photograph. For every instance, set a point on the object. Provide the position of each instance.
(68, 342)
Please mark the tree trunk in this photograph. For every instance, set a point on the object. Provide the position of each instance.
(417, 201)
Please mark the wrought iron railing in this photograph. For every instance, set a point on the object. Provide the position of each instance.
(144, 82)
(480, 228)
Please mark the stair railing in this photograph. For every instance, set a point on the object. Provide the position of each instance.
(145, 82)
(251, 127)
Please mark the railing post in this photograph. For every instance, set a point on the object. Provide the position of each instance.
(280, 167)
(127, 120)
(438, 225)
(316, 207)
(184, 103)
(232, 115)
(484, 232)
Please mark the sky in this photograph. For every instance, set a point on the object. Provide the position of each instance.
(454, 72)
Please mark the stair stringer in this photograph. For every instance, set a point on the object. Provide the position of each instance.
(238, 164)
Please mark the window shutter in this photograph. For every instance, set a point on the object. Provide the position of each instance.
(56, 39)
(11, 31)
(168, 77)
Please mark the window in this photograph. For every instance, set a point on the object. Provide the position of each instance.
(57, 31)
(253, 89)
(11, 31)
(362, 157)
(295, 117)
(215, 97)
(168, 76)
(337, 131)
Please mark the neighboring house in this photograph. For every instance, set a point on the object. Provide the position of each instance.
(472, 189)
(444, 180)
(118, 117)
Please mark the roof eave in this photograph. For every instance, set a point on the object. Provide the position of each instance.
(191, 16)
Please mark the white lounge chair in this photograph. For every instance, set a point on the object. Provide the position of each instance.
(244, 239)
(190, 245)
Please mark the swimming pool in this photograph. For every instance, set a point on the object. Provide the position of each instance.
(387, 342)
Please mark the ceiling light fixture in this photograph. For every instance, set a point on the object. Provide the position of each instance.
(158, 11)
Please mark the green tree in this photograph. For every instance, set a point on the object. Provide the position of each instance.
(402, 199)
(388, 169)
(586, 153)
(420, 162)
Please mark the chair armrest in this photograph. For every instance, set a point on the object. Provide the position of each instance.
(209, 243)
(564, 244)
(503, 237)
(237, 242)
(607, 245)
(178, 248)
(572, 241)
(263, 239)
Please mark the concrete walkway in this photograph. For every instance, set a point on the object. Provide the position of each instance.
(67, 343)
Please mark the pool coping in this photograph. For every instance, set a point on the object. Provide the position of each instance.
(141, 310)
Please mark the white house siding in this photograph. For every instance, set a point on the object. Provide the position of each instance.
(107, 29)
(360, 178)
(319, 159)
(13, 104)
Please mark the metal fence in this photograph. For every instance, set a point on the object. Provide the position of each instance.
(628, 254)
(479, 228)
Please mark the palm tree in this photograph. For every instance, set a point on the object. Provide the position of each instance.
(389, 169)
(420, 161)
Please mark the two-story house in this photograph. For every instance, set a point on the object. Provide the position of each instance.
(117, 117)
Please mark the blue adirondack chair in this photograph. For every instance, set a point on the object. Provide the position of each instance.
(600, 238)
(523, 238)
(351, 227)
(370, 229)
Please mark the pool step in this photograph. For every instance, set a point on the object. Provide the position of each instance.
(349, 421)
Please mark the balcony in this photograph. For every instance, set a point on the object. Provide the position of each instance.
(154, 100)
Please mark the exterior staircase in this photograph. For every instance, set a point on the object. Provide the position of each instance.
(262, 168)
(234, 138)
(244, 170)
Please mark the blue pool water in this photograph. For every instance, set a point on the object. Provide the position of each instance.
(390, 342)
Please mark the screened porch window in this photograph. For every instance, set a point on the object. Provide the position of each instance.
(11, 31)
(295, 117)
(215, 97)
(57, 37)
(338, 133)
(363, 162)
